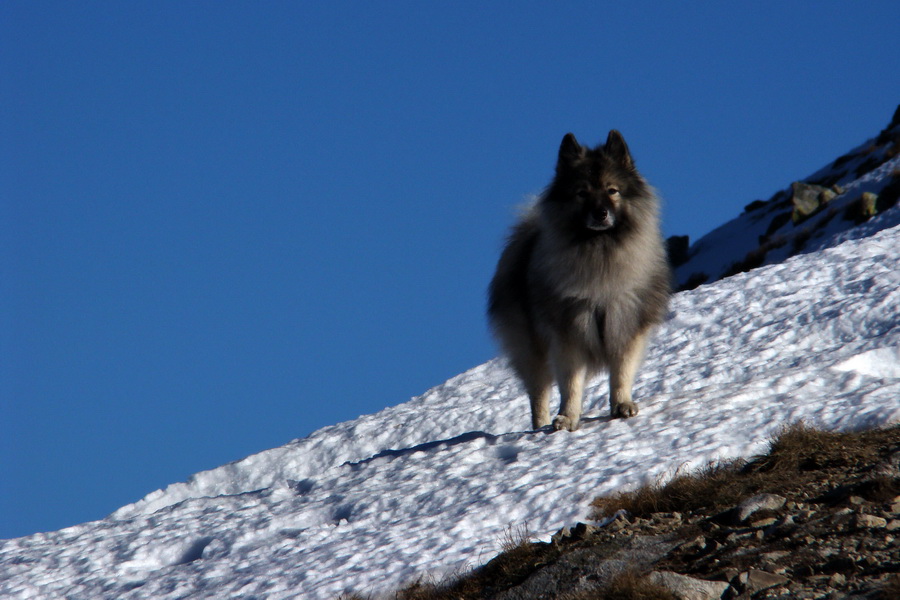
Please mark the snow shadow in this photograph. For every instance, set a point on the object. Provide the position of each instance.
(508, 455)
(463, 438)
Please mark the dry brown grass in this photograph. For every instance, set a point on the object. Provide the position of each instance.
(519, 558)
(798, 448)
(710, 487)
(794, 456)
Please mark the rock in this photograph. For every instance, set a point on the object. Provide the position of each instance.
(677, 248)
(695, 545)
(620, 518)
(843, 518)
(736, 538)
(863, 208)
(688, 588)
(804, 571)
(783, 527)
(895, 506)
(775, 555)
(756, 503)
(755, 205)
(730, 574)
(583, 530)
(868, 204)
(867, 562)
(561, 536)
(579, 532)
(669, 518)
(895, 120)
(870, 522)
(755, 580)
(617, 524)
(806, 199)
(763, 523)
(839, 564)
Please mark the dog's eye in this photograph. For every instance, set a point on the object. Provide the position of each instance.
(612, 191)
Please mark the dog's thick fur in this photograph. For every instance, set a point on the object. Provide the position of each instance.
(582, 281)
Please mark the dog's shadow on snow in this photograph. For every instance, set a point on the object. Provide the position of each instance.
(465, 438)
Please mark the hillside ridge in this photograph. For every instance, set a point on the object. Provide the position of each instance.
(814, 518)
(844, 200)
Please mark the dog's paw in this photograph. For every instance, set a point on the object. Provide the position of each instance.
(561, 422)
(624, 410)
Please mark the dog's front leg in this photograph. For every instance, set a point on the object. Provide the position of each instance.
(540, 407)
(571, 371)
(622, 371)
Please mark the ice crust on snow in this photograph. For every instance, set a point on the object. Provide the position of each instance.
(431, 485)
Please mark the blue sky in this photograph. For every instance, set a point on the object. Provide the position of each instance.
(228, 224)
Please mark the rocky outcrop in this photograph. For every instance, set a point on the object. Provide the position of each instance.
(854, 188)
(807, 199)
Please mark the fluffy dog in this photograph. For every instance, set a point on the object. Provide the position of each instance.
(582, 281)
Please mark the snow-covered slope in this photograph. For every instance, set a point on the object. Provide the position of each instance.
(430, 486)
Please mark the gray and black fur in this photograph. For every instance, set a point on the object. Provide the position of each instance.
(582, 281)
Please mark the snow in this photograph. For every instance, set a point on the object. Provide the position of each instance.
(880, 362)
(431, 486)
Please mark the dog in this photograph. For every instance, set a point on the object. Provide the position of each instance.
(582, 281)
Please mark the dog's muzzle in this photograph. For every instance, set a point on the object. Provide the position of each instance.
(600, 219)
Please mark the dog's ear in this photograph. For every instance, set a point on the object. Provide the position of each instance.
(569, 151)
(617, 149)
